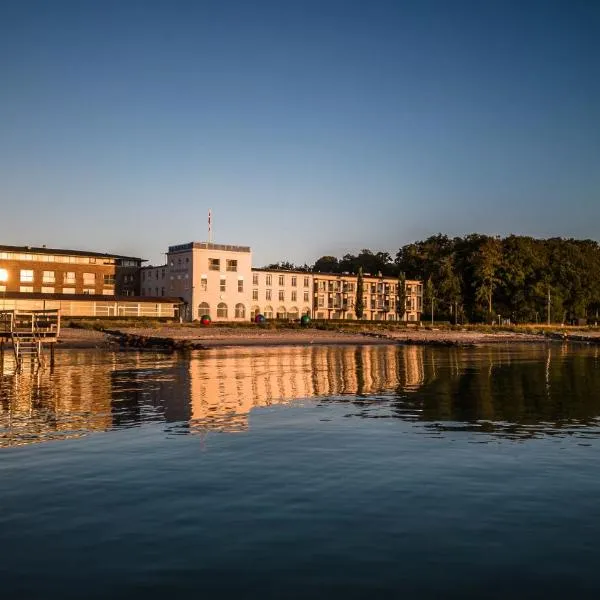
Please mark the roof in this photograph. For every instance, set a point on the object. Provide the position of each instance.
(208, 246)
(62, 251)
(90, 297)
(266, 270)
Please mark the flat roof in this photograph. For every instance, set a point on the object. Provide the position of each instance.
(63, 251)
(208, 246)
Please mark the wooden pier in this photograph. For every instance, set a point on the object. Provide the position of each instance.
(29, 333)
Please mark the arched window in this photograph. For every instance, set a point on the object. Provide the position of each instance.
(240, 311)
(281, 312)
(268, 312)
(306, 311)
(222, 310)
(293, 313)
(255, 310)
(203, 309)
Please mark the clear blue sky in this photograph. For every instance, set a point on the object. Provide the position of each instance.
(309, 127)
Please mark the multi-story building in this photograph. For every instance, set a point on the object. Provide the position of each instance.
(57, 271)
(218, 280)
(281, 294)
(335, 298)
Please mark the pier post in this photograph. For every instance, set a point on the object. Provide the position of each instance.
(51, 355)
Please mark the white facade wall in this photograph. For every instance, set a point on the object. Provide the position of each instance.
(281, 294)
(212, 279)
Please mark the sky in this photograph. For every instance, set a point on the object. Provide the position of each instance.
(309, 128)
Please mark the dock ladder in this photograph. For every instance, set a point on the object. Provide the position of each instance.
(29, 331)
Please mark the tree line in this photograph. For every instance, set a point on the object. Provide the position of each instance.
(479, 278)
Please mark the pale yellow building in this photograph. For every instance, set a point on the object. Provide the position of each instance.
(335, 298)
(281, 294)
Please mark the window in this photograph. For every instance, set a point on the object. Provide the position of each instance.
(282, 280)
(27, 276)
(203, 284)
(89, 279)
(255, 279)
(294, 280)
(222, 310)
(293, 295)
(240, 311)
(267, 294)
(231, 265)
(254, 294)
(203, 309)
(89, 291)
(48, 277)
(69, 277)
(26, 288)
(68, 290)
(281, 295)
(109, 280)
(107, 292)
(47, 290)
(92, 260)
(223, 285)
(305, 296)
(240, 285)
(268, 312)
(321, 301)
(214, 264)
(269, 278)
(306, 282)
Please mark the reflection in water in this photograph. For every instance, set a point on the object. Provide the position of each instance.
(506, 391)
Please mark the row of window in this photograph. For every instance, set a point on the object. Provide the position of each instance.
(269, 295)
(29, 289)
(80, 260)
(214, 264)
(222, 285)
(281, 280)
(222, 310)
(148, 274)
(68, 277)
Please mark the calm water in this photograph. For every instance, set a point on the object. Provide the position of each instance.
(321, 472)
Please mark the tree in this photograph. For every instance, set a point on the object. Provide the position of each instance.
(430, 296)
(359, 304)
(327, 264)
(486, 262)
(401, 298)
(449, 286)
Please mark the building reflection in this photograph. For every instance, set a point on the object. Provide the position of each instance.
(508, 391)
(225, 385)
(209, 391)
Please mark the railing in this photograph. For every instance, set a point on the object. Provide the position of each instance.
(38, 323)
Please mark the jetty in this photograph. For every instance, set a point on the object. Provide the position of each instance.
(29, 333)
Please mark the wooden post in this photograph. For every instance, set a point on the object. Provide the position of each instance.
(52, 355)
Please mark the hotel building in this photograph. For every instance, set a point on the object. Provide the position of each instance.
(218, 280)
(76, 282)
(57, 271)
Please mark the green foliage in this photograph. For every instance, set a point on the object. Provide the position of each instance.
(401, 297)
(478, 277)
(359, 304)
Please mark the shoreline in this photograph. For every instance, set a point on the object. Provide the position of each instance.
(173, 338)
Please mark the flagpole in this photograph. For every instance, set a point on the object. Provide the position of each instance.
(209, 226)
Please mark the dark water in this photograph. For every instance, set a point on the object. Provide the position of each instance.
(323, 472)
